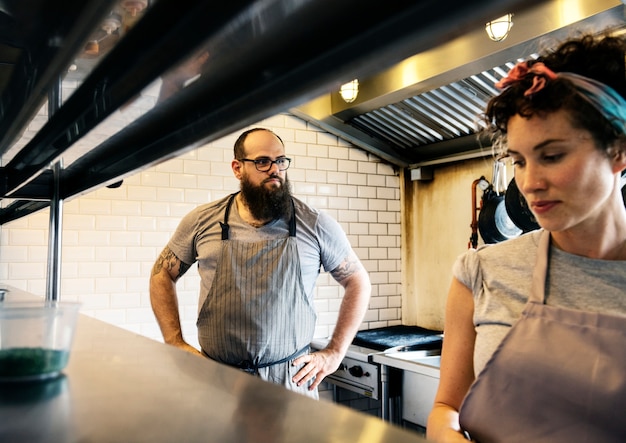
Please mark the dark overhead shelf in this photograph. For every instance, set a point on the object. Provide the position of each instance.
(40, 37)
(265, 57)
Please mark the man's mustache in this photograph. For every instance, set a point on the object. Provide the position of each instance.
(274, 177)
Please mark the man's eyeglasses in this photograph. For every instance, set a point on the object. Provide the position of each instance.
(265, 164)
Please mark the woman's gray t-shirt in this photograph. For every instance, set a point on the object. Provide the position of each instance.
(500, 277)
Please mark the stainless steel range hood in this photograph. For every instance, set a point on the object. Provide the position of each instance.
(424, 110)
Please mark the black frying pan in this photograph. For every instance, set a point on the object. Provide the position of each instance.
(494, 224)
(623, 182)
(518, 210)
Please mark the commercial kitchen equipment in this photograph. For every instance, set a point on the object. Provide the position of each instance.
(419, 383)
(360, 371)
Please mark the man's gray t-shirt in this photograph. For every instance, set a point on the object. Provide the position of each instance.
(321, 240)
(500, 277)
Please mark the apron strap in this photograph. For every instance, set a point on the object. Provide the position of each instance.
(540, 272)
(226, 228)
(292, 220)
(252, 367)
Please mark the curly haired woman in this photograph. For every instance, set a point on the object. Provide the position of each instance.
(535, 328)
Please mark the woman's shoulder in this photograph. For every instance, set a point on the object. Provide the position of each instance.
(517, 253)
(509, 262)
(524, 244)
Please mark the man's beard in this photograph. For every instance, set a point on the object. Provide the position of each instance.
(265, 203)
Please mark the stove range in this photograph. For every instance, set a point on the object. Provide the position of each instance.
(356, 373)
(359, 373)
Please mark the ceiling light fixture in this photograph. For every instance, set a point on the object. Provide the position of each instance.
(498, 29)
(349, 91)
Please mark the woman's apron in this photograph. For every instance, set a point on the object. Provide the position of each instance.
(256, 314)
(558, 376)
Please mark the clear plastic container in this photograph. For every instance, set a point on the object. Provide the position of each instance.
(35, 338)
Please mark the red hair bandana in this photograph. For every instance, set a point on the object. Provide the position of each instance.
(602, 97)
(539, 71)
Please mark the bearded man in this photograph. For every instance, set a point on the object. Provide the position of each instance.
(259, 253)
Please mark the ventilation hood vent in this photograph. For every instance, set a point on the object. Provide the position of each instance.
(442, 114)
(434, 116)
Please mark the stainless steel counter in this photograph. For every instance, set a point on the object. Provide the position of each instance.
(122, 387)
(415, 362)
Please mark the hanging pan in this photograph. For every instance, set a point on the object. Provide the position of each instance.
(518, 210)
(520, 214)
(494, 224)
(623, 183)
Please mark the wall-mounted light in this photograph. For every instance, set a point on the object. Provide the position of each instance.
(349, 91)
(498, 29)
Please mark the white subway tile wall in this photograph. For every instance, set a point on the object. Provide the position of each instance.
(111, 237)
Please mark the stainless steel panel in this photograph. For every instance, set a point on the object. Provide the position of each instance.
(418, 397)
(121, 387)
(357, 376)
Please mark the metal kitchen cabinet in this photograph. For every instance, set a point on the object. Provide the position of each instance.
(420, 380)
(418, 396)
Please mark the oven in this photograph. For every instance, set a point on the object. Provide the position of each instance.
(361, 375)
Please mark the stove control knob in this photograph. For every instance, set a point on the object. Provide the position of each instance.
(342, 367)
(357, 371)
